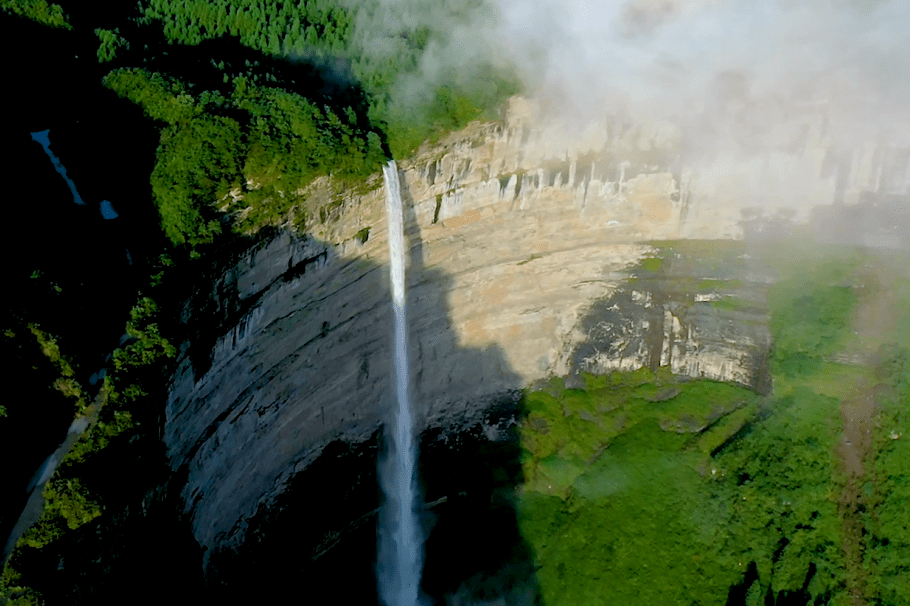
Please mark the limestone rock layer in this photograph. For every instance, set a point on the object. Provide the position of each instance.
(522, 240)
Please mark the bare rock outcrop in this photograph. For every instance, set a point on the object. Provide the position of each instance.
(522, 239)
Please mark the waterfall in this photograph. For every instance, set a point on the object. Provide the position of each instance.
(400, 544)
(44, 138)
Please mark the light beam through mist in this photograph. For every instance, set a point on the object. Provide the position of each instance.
(400, 543)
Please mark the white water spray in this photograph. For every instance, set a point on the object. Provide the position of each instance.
(400, 543)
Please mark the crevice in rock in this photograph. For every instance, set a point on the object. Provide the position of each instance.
(438, 207)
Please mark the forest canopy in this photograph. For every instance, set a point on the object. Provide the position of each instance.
(37, 10)
(361, 96)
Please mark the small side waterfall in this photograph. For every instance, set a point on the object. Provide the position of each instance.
(44, 138)
(400, 541)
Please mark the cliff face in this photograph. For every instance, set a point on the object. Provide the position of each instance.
(523, 241)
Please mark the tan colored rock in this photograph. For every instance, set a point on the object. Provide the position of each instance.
(520, 236)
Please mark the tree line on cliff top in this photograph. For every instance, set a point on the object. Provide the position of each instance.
(265, 137)
(305, 92)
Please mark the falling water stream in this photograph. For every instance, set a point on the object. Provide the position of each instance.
(400, 543)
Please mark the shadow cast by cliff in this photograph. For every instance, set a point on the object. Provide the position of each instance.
(321, 530)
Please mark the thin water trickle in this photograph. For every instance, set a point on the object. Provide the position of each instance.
(43, 137)
(400, 543)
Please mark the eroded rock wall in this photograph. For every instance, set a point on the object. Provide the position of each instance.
(516, 235)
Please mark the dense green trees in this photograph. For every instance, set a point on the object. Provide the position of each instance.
(148, 345)
(626, 511)
(406, 104)
(282, 140)
(162, 98)
(291, 141)
(37, 10)
(811, 321)
(275, 27)
(292, 136)
(282, 144)
(306, 140)
(889, 488)
(198, 163)
(71, 499)
(111, 42)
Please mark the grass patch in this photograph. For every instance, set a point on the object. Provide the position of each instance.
(702, 248)
(721, 433)
(363, 235)
(565, 432)
(711, 284)
(652, 263)
(621, 489)
(731, 304)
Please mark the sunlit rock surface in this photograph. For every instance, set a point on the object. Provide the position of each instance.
(522, 241)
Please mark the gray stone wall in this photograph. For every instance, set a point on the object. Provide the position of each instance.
(521, 239)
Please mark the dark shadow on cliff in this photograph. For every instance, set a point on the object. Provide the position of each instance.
(71, 272)
(141, 549)
(320, 535)
(475, 550)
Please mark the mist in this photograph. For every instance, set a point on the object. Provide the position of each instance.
(694, 62)
(769, 98)
(663, 58)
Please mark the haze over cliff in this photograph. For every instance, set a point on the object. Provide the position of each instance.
(734, 77)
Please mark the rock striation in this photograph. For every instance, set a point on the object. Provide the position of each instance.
(522, 242)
